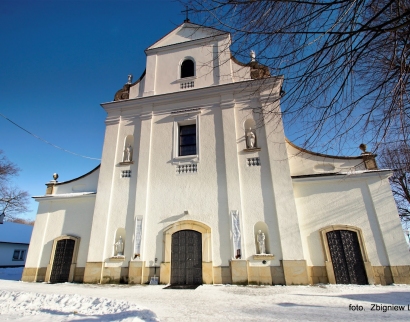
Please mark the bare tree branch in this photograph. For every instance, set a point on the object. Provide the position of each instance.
(13, 201)
(346, 63)
(397, 157)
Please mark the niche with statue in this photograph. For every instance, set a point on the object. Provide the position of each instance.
(251, 139)
(128, 150)
(262, 245)
(119, 243)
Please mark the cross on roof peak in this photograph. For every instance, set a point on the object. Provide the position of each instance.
(186, 12)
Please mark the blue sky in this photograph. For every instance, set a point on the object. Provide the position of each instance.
(59, 60)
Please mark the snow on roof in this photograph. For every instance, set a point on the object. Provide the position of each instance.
(11, 232)
(66, 195)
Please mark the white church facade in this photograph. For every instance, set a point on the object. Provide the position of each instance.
(194, 187)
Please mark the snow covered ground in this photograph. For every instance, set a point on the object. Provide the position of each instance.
(80, 302)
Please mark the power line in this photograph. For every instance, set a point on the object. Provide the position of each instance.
(45, 141)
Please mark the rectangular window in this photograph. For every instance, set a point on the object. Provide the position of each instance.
(18, 255)
(187, 140)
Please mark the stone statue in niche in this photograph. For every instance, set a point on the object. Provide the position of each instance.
(119, 247)
(128, 154)
(250, 139)
(261, 242)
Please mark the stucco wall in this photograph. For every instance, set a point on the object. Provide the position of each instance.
(87, 183)
(57, 217)
(348, 201)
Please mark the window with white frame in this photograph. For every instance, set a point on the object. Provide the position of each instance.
(186, 147)
(18, 254)
(187, 140)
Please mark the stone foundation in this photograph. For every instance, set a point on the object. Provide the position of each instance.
(222, 275)
(92, 272)
(34, 274)
(295, 272)
(386, 275)
(238, 272)
(79, 275)
(317, 274)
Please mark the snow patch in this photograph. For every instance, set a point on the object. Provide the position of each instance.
(63, 307)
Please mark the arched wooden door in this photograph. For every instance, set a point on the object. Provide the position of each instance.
(346, 257)
(186, 258)
(63, 257)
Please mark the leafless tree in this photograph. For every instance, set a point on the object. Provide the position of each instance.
(397, 157)
(13, 201)
(346, 62)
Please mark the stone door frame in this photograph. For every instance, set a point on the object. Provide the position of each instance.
(328, 259)
(73, 260)
(205, 230)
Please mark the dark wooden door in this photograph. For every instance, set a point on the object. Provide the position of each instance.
(186, 258)
(63, 257)
(346, 257)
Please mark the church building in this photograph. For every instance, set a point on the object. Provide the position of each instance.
(194, 187)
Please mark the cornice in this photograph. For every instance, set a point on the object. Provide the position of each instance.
(317, 178)
(188, 43)
(65, 196)
(192, 94)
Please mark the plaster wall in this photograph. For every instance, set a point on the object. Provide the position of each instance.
(258, 202)
(305, 163)
(103, 201)
(70, 216)
(138, 89)
(120, 215)
(347, 201)
(162, 195)
(212, 66)
(240, 73)
(87, 183)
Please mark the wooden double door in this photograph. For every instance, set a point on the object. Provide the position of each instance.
(186, 258)
(346, 257)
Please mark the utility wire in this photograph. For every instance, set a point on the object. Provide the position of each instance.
(45, 141)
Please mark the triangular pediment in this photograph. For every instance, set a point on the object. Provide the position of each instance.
(184, 33)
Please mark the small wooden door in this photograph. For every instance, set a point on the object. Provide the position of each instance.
(346, 257)
(186, 258)
(63, 258)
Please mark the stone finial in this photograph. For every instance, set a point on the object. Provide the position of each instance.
(369, 158)
(253, 55)
(129, 79)
(50, 185)
(363, 147)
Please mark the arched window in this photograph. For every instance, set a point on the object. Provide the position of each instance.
(187, 68)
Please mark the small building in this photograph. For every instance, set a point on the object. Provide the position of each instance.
(14, 242)
(195, 186)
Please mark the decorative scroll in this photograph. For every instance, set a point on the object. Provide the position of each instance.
(236, 234)
(138, 238)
